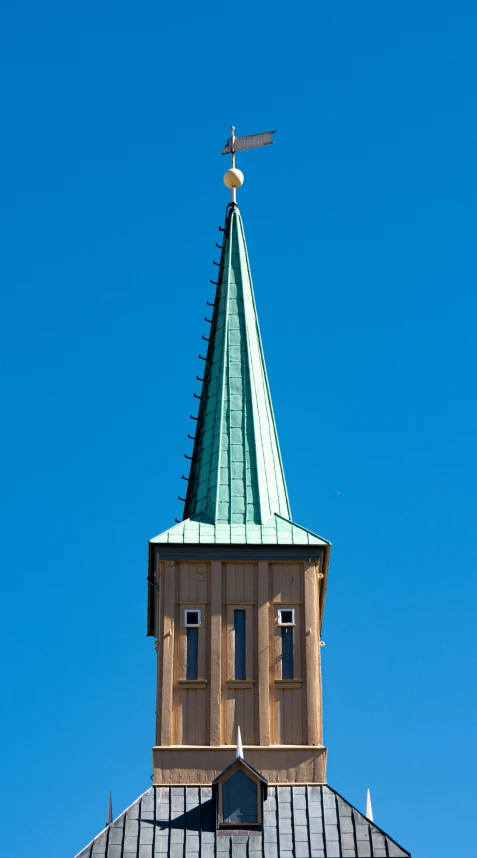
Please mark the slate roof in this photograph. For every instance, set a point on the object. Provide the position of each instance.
(299, 822)
(236, 473)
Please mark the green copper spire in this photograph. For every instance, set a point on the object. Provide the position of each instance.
(236, 475)
(236, 489)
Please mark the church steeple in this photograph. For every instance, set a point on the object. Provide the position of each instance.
(236, 474)
(236, 595)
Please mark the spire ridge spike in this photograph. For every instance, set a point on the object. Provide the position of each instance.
(109, 818)
(239, 752)
(369, 807)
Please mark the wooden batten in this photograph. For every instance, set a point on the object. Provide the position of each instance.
(201, 765)
(312, 647)
(215, 653)
(198, 715)
(263, 655)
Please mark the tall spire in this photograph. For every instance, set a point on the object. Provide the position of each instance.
(236, 474)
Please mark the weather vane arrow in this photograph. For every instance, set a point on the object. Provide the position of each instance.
(233, 178)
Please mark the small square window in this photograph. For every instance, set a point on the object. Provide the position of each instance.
(192, 617)
(286, 616)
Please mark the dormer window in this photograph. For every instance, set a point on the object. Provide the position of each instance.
(240, 800)
(240, 792)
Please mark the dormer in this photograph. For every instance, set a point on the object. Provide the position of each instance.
(239, 795)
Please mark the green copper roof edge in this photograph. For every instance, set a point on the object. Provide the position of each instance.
(317, 535)
(264, 368)
(162, 538)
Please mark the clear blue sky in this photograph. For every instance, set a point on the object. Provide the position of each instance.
(361, 226)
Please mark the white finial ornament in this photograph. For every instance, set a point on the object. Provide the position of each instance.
(239, 751)
(233, 178)
(369, 808)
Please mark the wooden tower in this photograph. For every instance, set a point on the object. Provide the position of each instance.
(236, 590)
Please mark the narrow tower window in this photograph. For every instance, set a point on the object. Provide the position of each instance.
(240, 646)
(192, 620)
(286, 619)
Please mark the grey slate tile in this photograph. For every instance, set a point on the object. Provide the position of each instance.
(330, 816)
(315, 824)
(162, 795)
(116, 835)
(270, 835)
(314, 793)
(331, 833)
(328, 798)
(377, 839)
(207, 836)
(286, 842)
(115, 850)
(347, 840)
(364, 849)
(147, 834)
(394, 850)
(285, 826)
(284, 794)
(316, 842)
(147, 802)
(177, 835)
(314, 808)
(301, 849)
(301, 833)
(362, 832)
(299, 817)
(269, 818)
(346, 824)
(162, 812)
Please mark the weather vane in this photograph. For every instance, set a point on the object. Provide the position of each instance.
(233, 178)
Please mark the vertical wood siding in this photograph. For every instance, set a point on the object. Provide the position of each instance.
(269, 709)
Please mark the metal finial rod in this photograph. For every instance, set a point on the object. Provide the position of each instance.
(233, 178)
(232, 141)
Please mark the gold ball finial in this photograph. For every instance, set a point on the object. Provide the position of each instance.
(233, 178)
